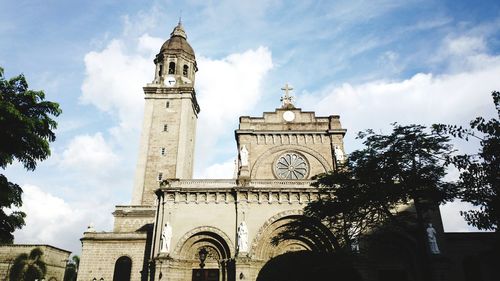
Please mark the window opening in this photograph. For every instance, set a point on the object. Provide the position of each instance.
(171, 68)
(123, 268)
(185, 70)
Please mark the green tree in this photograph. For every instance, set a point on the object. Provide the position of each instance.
(402, 168)
(71, 271)
(373, 190)
(26, 128)
(479, 181)
(28, 267)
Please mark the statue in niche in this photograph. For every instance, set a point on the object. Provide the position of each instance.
(339, 154)
(166, 236)
(243, 237)
(244, 156)
(431, 236)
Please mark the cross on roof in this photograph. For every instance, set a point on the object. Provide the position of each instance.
(287, 98)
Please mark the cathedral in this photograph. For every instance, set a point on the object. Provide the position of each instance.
(179, 229)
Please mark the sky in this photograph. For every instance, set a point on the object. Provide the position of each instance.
(371, 62)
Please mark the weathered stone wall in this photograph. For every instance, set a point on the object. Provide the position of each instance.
(54, 258)
(178, 139)
(267, 138)
(132, 218)
(100, 250)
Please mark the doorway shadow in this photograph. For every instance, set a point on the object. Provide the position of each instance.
(307, 265)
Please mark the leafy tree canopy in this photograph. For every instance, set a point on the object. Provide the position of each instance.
(26, 128)
(71, 271)
(368, 191)
(28, 267)
(479, 182)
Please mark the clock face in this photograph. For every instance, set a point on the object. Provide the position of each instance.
(170, 81)
(288, 116)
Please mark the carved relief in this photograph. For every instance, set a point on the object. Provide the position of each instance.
(291, 165)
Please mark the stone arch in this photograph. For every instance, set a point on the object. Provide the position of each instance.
(320, 238)
(123, 269)
(219, 249)
(205, 235)
(298, 148)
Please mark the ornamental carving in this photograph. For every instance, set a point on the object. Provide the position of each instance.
(291, 166)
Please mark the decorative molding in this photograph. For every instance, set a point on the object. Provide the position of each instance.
(226, 240)
(258, 236)
(283, 148)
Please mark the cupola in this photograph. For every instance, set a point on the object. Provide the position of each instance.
(176, 62)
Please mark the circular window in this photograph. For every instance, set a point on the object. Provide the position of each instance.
(291, 166)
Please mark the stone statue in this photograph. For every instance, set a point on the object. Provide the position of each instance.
(355, 245)
(242, 237)
(431, 236)
(244, 156)
(339, 154)
(166, 236)
(90, 228)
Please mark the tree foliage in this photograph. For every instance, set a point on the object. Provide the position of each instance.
(28, 267)
(376, 184)
(479, 181)
(71, 271)
(26, 129)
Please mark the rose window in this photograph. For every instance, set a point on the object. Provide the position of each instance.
(291, 166)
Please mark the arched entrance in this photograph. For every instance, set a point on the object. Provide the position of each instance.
(123, 268)
(302, 255)
(206, 255)
(313, 237)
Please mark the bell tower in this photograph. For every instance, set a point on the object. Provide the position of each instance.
(170, 116)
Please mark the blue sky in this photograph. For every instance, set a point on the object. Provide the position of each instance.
(371, 62)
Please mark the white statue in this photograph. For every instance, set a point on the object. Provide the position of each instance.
(244, 156)
(90, 228)
(431, 236)
(339, 154)
(166, 236)
(242, 237)
(355, 245)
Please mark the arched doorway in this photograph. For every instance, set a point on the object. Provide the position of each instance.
(302, 255)
(206, 255)
(123, 269)
(313, 237)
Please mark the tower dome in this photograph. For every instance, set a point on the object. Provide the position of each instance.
(176, 62)
(177, 42)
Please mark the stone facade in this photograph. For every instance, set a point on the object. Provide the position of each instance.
(175, 220)
(54, 258)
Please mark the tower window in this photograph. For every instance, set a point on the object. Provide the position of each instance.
(167, 104)
(160, 176)
(171, 68)
(185, 70)
(162, 151)
(165, 128)
(160, 71)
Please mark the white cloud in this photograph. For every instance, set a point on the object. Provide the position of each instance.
(89, 155)
(115, 77)
(224, 170)
(452, 221)
(51, 220)
(465, 45)
(226, 89)
(423, 98)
